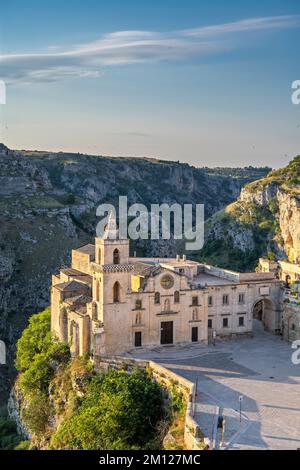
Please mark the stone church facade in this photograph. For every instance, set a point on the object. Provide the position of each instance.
(108, 302)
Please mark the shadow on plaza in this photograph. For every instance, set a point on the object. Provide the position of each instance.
(204, 369)
(211, 370)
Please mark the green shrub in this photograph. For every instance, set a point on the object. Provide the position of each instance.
(39, 356)
(120, 411)
(271, 256)
(36, 339)
(24, 445)
(38, 375)
(36, 412)
(178, 402)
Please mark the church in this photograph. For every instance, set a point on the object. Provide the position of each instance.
(110, 303)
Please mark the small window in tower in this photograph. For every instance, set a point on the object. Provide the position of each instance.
(194, 301)
(157, 298)
(116, 257)
(138, 304)
(210, 301)
(116, 292)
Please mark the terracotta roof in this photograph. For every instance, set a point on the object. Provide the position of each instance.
(79, 299)
(257, 277)
(71, 286)
(70, 272)
(87, 249)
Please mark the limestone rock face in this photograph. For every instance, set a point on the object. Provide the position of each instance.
(289, 219)
(266, 216)
(288, 215)
(261, 196)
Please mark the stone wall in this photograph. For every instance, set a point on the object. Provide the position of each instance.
(291, 322)
(193, 436)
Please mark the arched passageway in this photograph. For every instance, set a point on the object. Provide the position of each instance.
(264, 314)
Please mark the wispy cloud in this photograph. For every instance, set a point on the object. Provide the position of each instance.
(127, 47)
(247, 25)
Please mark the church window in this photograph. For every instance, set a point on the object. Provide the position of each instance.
(176, 297)
(116, 292)
(157, 298)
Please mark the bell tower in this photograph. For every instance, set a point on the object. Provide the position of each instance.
(110, 249)
(111, 277)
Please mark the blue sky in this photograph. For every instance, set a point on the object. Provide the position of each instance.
(189, 80)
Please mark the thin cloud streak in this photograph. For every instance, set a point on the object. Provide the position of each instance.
(129, 47)
(251, 24)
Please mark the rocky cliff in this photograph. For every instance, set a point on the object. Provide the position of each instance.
(265, 220)
(47, 207)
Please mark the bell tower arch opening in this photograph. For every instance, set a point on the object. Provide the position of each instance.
(116, 256)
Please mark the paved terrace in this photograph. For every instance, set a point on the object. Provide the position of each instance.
(261, 370)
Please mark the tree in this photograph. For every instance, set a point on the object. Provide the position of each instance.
(36, 339)
(120, 411)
